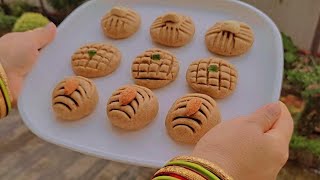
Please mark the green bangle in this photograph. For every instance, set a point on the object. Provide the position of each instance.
(194, 167)
(6, 95)
(164, 178)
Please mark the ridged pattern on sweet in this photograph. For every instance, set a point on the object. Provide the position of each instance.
(104, 62)
(199, 119)
(74, 101)
(189, 129)
(135, 115)
(172, 34)
(217, 84)
(121, 27)
(227, 43)
(164, 69)
(129, 111)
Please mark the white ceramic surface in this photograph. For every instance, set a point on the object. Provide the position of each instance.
(260, 77)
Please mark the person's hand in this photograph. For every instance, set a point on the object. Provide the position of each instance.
(19, 51)
(251, 147)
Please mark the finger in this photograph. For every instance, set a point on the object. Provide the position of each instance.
(266, 116)
(42, 36)
(284, 126)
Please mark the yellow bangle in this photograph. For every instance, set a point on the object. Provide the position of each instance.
(5, 93)
(3, 106)
(5, 90)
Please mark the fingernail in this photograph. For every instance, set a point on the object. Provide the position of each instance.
(273, 109)
(49, 25)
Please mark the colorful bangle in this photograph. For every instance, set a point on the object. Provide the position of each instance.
(6, 95)
(193, 167)
(3, 76)
(165, 178)
(206, 164)
(179, 172)
(187, 167)
(3, 106)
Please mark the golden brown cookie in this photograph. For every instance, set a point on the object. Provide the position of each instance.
(95, 60)
(74, 98)
(212, 76)
(191, 117)
(155, 68)
(120, 23)
(172, 30)
(229, 38)
(132, 107)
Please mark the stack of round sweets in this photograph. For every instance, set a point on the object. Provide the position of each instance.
(155, 68)
(229, 38)
(172, 29)
(74, 98)
(191, 117)
(95, 60)
(132, 107)
(212, 76)
(120, 23)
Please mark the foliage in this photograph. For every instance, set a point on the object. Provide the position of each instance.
(302, 79)
(18, 7)
(295, 105)
(290, 49)
(306, 78)
(6, 22)
(303, 143)
(30, 21)
(65, 5)
(302, 71)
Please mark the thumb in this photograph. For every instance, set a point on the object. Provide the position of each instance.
(266, 116)
(42, 36)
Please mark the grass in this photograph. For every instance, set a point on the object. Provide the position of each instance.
(303, 143)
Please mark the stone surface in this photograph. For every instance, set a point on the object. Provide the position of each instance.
(24, 156)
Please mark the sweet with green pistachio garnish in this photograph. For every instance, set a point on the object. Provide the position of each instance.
(213, 68)
(155, 57)
(92, 53)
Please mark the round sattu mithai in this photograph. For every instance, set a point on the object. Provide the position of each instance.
(191, 117)
(172, 30)
(74, 98)
(229, 38)
(95, 60)
(132, 107)
(120, 23)
(212, 76)
(155, 68)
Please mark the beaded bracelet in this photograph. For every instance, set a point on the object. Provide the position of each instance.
(189, 168)
(5, 95)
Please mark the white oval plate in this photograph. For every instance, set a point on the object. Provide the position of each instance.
(260, 77)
